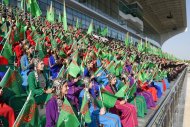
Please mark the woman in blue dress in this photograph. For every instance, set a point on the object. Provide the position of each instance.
(54, 64)
(26, 64)
(98, 115)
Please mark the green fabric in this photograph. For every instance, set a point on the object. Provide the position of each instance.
(82, 66)
(73, 69)
(105, 31)
(4, 122)
(77, 24)
(4, 29)
(108, 99)
(53, 43)
(118, 69)
(28, 3)
(127, 40)
(122, 92)
(22, 5)
(90, 28)
(7, 52)
(62, 54)
(64, 18)
(132, 58)
(142, 76)
(50, 14)
(35, 9)
(17, 102)
(85, 109)
(33, 85)
(41, 50)
(67, 117)
(59, 19)
(6, 2)
(140, 47)
(112, 69)
(13, 81)
(140, 103)
(3, 68)
(131, 91)
(29, 115)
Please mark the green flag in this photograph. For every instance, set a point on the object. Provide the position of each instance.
(29, 115)
(132, 58)
(140, 46)
(67, 117)
(62, 54)
(50, 14)
(85, 109)
(39, 47)
(22, 4)
(105, 31)
(6, 2)
(108, 99)
(111, 68)
(28, 3)
(132, 90)
(77, 24)
(4, 28)
(12, 80)
(7, 52)
(99, 30)
(127, 39)
(73, 69)
(53, 43)
(122, 92)
(35, 9)
(90, 28)
(59, 19)
(142, 76)
(64, 18)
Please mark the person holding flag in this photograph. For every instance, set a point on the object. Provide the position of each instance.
(54, 105)
(128, 112)
(98, 115)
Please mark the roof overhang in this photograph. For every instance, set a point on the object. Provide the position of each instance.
(166, 17)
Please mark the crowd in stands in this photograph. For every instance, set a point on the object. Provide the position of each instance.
(75, 78)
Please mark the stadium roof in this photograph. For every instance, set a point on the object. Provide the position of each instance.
(163, 18)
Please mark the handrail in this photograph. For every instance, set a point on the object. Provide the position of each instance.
(153, 120)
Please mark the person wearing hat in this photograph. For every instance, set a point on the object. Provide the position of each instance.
(54, 105)
(128, 111)
(38, 82)
(98, 115)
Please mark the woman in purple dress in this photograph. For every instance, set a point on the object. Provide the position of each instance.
(53, 107)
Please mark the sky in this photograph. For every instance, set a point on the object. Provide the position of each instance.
(179, 45)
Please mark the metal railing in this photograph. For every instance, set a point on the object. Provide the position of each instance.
(164, 116)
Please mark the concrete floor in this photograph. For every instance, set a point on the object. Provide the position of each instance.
(186, 118)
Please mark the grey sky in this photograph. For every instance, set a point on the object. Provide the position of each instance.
(179, 45)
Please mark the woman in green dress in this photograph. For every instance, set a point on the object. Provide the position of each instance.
(38, 82)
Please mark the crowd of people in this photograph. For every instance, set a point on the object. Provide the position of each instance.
(99, 82)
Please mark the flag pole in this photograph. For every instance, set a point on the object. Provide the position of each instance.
(18, 117)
